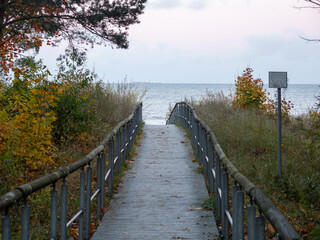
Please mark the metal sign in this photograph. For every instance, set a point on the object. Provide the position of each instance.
(278, 80)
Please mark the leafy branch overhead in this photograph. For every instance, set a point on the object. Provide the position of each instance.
(27, 24)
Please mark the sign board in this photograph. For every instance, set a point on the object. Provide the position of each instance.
(278, 80)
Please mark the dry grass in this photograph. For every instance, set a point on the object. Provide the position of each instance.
(249, 139)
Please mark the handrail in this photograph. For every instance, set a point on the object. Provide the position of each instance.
(124, 134)
(213, 159)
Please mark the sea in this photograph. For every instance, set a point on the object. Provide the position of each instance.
(159, 97)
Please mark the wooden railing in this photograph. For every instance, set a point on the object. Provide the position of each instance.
(117, 146)
(218, 170)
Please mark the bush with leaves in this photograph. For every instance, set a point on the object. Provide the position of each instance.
(26, 118)
(249, 91)
(44, 118)
(250, 94)
(72, 117)
(82, 108)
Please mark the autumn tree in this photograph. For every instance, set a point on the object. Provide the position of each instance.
(28, 24)
(250, 94)
(249, 91)
(36, 108)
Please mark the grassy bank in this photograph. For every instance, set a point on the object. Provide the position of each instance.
(249, 138)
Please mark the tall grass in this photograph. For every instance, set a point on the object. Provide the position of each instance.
(249, 138)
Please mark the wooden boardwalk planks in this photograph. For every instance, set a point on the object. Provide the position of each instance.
(161, 195)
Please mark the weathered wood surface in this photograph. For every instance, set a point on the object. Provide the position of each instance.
(161, 195)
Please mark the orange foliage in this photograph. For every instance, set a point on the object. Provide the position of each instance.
(249, 91)
(18, 33)
(26, 119)
(250, 94)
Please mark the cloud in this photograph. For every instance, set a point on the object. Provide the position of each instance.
(198, 4)
(189, 4)
(165, 3)
(289, 47)
(212, 41)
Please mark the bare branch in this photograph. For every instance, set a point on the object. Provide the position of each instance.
(305, 7)
(316, 2)
(309, 40)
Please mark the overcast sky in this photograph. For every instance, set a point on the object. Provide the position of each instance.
(212, 41)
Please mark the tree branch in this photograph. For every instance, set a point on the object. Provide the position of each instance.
(316, 2)
(309, 40)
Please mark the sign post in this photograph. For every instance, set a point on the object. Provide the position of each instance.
(278, 80)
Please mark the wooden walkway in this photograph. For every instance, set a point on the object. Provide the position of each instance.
(160, 197)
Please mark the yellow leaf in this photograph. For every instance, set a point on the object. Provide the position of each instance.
(271, 229)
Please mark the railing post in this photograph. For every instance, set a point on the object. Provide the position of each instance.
(218, 185)
(130, 133)
(178, 119)
(240, 209)
(82, 203)
(25, 221)
(140, 112)
(6, 226)
(103, 183)
(188, 119)
(118, 165)
(201, 153)
(110, 165)
(251, 212)
(64, 210)
(260, 228)
(210, 167)
(88, 202)
(125, 141)
(237, 213)
(127, 138)
(98, 186)
(181, 114)
(194, 134)
(205, 152)
(197, 142)
(54, 213)
(224, 204)
(185, 116)
(123, 158)
(136, 127)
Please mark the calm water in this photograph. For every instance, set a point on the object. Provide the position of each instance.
(159, 97)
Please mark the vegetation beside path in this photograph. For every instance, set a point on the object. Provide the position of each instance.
(246, 128)
(48, 122)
